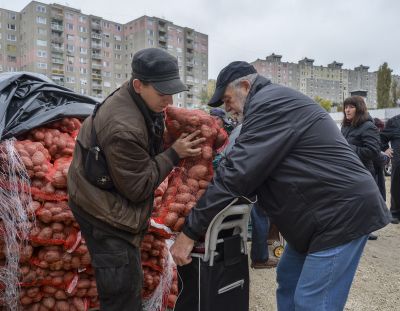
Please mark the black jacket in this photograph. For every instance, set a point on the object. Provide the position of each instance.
(291, 154)
(364, 140)
(391, 133)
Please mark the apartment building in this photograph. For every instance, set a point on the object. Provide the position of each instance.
(92, 55)
(331, 82)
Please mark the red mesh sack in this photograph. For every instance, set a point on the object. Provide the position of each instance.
(59, 144)
(154, 252)
(35, 157)
(187, 183)
(66, 125)
(151, 279)
(43, 190)
(59, 173)
(55, 212)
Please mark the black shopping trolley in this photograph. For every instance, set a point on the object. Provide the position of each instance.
(218, 276)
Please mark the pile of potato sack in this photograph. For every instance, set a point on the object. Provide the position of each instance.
(55, 270)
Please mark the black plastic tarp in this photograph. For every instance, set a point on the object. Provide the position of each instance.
(29, 100)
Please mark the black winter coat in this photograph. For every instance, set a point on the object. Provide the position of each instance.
(364, 140)
(291, 154)
(391, 133)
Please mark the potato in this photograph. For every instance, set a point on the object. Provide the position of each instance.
(38, 158)
(45, 234)
(49, 302)
(206, 131)
(192, 184)
(61, 305)
(203, 184)
(198, 171)
(52, 256)
(183, 198)
(170, 219)
(183, 188)
(44, 215)
(176, 207)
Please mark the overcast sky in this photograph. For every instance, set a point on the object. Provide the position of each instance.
(352, 32)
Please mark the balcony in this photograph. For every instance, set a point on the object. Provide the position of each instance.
(96, 76)
(162, 39)
(97, 65)
(189, 36)
(96, 56)
(59, 72)
(189, 46)
(57, 27)
(96, 45)
(57, 61)
(57, 39)
(57, 48)
(57, 15)
(96, 36)
(95, 25)
(97, 87)
(162, 29)
(190, 63)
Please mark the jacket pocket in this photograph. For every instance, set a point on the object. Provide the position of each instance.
(114, 273)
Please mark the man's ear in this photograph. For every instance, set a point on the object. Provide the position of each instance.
(137, 85)
(246, 85)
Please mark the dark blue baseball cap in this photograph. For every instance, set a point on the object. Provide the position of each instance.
(233, 71)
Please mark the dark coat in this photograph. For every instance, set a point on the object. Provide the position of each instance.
(391, 133)
(123, 135)
(291, 154)
(364, 140)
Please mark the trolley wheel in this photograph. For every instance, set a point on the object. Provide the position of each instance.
(278, 251)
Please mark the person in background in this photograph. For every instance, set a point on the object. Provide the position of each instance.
(361, 133)
(380, 162)
(259, 222)
(127, 129)
(391, 134)
(291, 154)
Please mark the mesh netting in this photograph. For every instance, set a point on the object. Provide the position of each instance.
(188, 182)
(15, 220)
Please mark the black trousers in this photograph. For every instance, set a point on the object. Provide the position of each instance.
(395, 190)
(117, 266)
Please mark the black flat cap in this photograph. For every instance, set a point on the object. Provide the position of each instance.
(158, 68)
(230, 73)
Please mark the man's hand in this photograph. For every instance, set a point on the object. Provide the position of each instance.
(185, 145)
(181, 249)
(389, 152)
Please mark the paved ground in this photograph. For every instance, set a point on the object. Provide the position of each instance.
(376, 286)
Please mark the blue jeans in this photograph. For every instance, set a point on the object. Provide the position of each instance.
(318, 281)
(259, 234)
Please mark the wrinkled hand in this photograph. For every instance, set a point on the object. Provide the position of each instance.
(185, 145)
(389, 152)
(181, 249)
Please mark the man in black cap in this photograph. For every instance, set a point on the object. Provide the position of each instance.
(113, 211)
(312, 185)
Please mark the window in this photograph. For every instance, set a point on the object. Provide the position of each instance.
(12, 16)
(107, 74)
(150, 42)
(40, 9)
(82, 19)
(117, 38)
(118, 56)
(41, 20)
(41, 42)
(69, 15)
(70, 37)
(83, 50)
(82, 29)
(106, 54)
(11, 59)
(41, 53)
(70, 26)
(118, 47)
(107, 84)
(42, 31)
(83, 71)
(106, 64)
(69, 68)
(84, 40)
(82, 60)
(70, 79)
(42, 65)
(118, 27)
(107, 44)
(118, 76)
(70, 48)
(150, 32)
(70, 59)
(11, 27)
(11, 37)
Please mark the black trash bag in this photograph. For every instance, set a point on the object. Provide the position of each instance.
(29, 100)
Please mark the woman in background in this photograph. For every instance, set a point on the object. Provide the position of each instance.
(361, 133)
